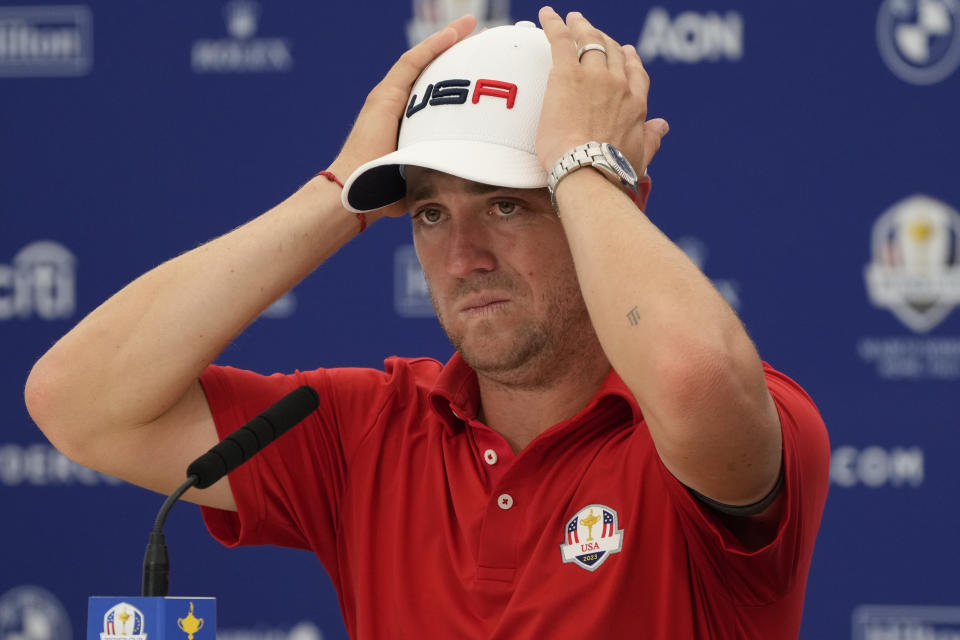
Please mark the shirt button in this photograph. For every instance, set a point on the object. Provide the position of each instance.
(490, 457)
(505, 501)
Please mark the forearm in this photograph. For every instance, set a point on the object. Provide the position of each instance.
(674, 341)
(135, 355)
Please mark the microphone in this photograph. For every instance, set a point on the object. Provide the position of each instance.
(230, 453)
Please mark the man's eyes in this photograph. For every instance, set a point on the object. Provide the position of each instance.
(501, 208)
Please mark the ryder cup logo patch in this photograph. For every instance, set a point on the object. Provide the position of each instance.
(591, 536)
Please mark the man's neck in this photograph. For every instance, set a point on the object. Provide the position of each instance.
(521, 413)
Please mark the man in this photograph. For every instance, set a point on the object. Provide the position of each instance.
(604, 453)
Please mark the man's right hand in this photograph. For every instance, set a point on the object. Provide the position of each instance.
(375, 132)
(126, 377)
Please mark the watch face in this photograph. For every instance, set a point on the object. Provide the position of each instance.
(619, 162)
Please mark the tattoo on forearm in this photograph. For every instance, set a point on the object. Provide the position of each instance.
(633, 316)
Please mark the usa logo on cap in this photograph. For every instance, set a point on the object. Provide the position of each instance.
(472, 113)
(591, 536)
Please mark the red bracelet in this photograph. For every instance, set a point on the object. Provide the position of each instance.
(332, 178)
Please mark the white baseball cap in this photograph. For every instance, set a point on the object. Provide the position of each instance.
(472, 113)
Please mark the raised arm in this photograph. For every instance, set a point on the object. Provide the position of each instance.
(666, 331)
(125, 378)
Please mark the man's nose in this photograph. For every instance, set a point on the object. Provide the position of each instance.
(468, 248)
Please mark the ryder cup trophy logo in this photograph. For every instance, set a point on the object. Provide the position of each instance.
(191, 624)
(919, 40)
(915, 270)
(123, 622)
(591, 536)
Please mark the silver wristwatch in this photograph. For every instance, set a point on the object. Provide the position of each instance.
(603, 157)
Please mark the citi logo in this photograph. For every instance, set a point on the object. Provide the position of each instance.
(691, 37)
(41, 281)
(456, 91)
(46, 41)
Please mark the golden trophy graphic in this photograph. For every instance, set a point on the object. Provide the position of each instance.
(123, 617)
(190, 625)
(588, 522)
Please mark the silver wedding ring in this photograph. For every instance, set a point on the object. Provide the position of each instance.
(590, 47)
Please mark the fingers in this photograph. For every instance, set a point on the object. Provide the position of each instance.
(637, 77)
(653, 133)
(585, 33)
(408, 68)
(595, 96)
(562, 46)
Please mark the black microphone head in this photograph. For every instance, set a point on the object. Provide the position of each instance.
(247, 441)
(292, 408)
(208, 468)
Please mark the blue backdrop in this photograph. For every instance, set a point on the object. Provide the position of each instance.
(811, 170)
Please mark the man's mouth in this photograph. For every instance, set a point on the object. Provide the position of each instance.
(481, 305)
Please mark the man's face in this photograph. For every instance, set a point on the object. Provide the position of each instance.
(500, 275)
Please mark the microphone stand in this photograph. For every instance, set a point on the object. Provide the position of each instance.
(156, 560)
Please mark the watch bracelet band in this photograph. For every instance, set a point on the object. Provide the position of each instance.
(590, 154)
(580, 156)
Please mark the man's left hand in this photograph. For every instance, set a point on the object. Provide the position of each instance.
(596, 97)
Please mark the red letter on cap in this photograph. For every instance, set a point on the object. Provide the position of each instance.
(496, 89)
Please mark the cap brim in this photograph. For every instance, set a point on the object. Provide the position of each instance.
(380, 182)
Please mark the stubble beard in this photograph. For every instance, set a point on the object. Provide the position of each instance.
(532, 353)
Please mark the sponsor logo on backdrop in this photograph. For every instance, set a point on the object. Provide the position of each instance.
(123, 621)
(242, 52)
(41, 281)
(691, 36)
(46, 41)
(911, 358)
(919, 40)
(304, 630)
(914, 273)
(433, 15)
(874, 467)
(31, 613)
(411, 297)
(697, 251)
(890, 622)
(915, 270)
(41, 465)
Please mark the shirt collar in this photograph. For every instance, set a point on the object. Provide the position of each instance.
(455, 396)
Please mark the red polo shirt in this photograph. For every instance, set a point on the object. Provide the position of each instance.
(431, 527)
